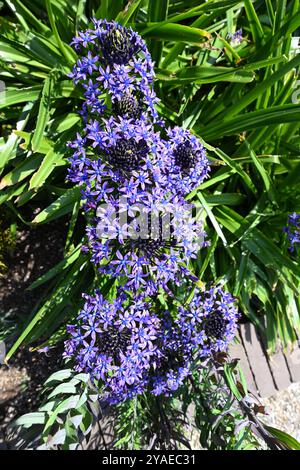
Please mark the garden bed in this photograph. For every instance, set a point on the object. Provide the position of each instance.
(150, 202)
(21, 381)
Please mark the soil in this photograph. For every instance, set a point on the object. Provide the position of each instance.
(36, 251)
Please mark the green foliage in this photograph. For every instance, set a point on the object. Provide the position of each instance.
(242, 100)
(70, 410)
(237, 98)
(213, 409)
(66, 416)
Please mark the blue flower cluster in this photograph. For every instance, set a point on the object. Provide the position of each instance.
(115, 342)
(293, 231)
(133, 180)
(132, 349)
(134, 174)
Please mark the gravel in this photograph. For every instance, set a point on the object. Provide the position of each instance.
(284, 410)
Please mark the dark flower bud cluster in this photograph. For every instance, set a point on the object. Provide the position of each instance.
(115, 342)
(292, 231)
(114, 61)
(134, 175)
(210, 320)
(127, 106)
(186, 161)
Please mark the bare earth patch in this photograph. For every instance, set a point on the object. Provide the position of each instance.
(11, 382)
(36, 251)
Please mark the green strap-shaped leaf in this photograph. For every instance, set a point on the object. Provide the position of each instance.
(253, 94)
(173, 32)
(57, 269)
(130, 9)
(253, 120)
(15, 96)
(51, 160)
(201, 75)
(289, 441)
(43, 114)
(58, 208)
(55, 306)
(212, 217)
(66, 50)
(25, 168)
(255, 25)
(24, 14)
(157, 11)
